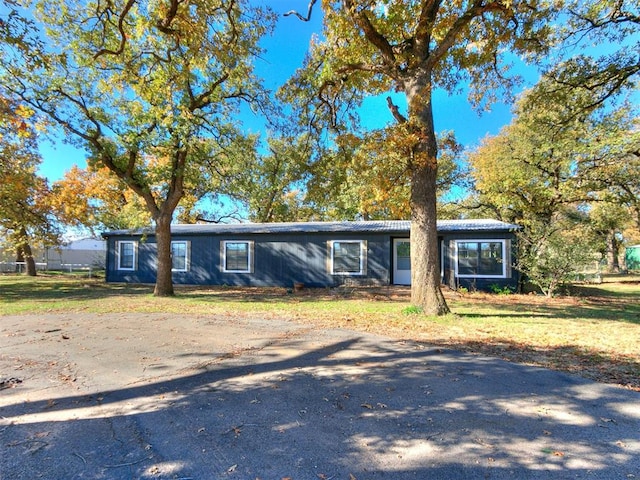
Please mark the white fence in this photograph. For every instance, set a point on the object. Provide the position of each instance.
(12, 267)
(20, 267)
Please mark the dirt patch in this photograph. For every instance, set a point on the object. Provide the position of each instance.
(257, 294)
(602, 365)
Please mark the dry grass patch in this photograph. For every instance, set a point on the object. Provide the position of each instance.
(595, 332)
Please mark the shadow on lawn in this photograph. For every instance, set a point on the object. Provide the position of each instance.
(42, 288)
(592, 303)
(45, 288)
(595, 365)
(608, 313)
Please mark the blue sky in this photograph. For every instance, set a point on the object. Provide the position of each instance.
(285, 52)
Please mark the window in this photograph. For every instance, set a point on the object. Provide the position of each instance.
(237, 256)
(403, 255)
(180, 256)
(347, 257)
(126, 253)
(480, 258)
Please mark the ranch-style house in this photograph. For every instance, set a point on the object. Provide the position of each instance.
(473, 254)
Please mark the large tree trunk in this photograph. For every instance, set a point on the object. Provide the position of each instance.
(164, 279)
(162, 213)
(25, 254)
(613, 246)
(425, 274)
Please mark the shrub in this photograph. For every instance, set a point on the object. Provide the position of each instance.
(501, 289)
(413, 310)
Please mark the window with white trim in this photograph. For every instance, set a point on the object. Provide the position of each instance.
(126, 251)
(180, 256)
(480, 258)
(237, 256)
(347, 257)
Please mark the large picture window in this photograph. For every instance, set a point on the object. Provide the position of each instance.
(237, 256)
(126, 253)
(347, 257)
(180, 256)
(480, 258)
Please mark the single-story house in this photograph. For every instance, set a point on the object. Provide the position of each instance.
(473, 254)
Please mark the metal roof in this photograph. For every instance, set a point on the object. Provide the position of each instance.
(371, 226)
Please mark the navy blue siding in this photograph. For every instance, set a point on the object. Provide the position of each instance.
(278, 260)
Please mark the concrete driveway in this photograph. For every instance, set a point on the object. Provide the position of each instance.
(158, 396)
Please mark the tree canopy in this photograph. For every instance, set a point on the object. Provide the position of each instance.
(570, 181)
(97, 199)
(26, 214)
(373, 48)
(149, 89)
(600, 54)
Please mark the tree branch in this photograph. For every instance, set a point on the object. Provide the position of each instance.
(395, 111)
(478, 8)
(235, 216)
(204, 99)
(123, 35)
(425, 26)
(163, 24)
(373, 35)
(309, 10)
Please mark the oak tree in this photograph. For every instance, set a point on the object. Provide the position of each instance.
(26, 216)
(413, 48)
(566, 179)
(603, 38)
(270, 183)
(148, 89)
(94, 198)
(365, 176)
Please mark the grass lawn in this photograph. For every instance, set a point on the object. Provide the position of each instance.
(595, 332)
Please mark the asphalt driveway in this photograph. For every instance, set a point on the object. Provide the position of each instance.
(156, 396)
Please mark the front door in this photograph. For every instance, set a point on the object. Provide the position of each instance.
(401, 261)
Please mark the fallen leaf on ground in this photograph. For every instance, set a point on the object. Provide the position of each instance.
(10, 383)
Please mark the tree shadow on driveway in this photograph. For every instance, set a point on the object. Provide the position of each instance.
(331, 404)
